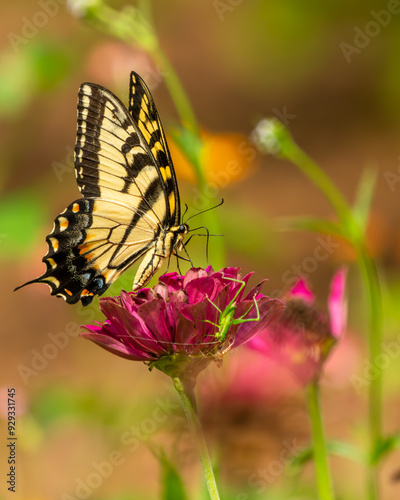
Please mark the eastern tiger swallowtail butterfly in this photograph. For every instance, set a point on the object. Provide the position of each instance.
(130, 207)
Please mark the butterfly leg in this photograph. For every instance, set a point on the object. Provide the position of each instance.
(186, 252)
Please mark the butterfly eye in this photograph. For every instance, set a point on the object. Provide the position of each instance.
(183, 228)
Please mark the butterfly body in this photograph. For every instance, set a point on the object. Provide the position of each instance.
(130, 207)
(171, 240)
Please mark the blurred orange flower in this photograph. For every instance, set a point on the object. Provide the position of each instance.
(225, 157)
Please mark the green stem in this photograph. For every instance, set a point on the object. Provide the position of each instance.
(135, 27)
(317, 176)
(356, 235)
(185, 390)
(176, 90)
(324, 480)
(371, 284)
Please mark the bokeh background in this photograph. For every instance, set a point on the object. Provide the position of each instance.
(334, 79)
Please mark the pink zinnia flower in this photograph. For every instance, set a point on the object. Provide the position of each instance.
(303, 336)
(172, 326)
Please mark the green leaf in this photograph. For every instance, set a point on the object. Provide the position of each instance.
(346, 450)
(40, 66)
(22, 216)
(61, 403)
(386, 445)
(50, 63)
(337, 448)
(16, 84)
(311, 224)
(171, 481)
(300, 459)
(53, 404)
(364, 196)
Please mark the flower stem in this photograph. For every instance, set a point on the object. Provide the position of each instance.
(272, 137)
(371, 284)
(176, 90)
(324, 480)
(185, 390)
(374, 298)
(318, 177)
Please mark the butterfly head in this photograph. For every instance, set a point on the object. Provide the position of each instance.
(179, 233)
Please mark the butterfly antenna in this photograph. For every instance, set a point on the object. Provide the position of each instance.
(200, 234)
(186, 209)
(206, 235)
(206, 210)
(207, 241)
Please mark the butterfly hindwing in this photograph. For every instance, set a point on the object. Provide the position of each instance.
(130, 206)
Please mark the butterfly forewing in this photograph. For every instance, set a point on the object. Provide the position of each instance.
(144, 112)
(130, 205)
(112, 159)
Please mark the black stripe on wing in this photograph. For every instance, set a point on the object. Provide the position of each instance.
(112, 159)
(144, 112)
(107, 141)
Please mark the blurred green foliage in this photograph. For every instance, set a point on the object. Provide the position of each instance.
(22, 215)
(41, 66)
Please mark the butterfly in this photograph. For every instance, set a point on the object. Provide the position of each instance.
(130, 207)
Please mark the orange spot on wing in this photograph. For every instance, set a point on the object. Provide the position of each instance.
(91, 256)
(52, 262)
(85, 247)
(54, 244)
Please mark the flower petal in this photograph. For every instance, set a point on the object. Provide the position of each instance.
(173, 281)
(114, 346)
(202, 315)
(180, 317)
(161, 289)
(200, 289)
(131, 327)
(269, 310)
(128, 302)
(255, 292)
(153, 313)
(337, 303)
(195, 273)
(301, 290)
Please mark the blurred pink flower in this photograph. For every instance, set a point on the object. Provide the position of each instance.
(303, 336)
(172, 326)
(107, 63)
